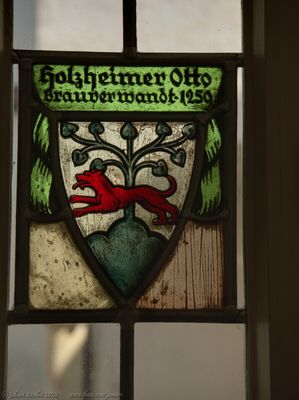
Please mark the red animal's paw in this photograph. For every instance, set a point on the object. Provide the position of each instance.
(73, 199)
(160, 221)
(78, 213)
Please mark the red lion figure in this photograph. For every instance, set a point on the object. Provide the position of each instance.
(111, 198)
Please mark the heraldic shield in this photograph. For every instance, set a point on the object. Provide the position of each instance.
(127, 184)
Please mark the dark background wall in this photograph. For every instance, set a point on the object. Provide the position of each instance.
(271, 207)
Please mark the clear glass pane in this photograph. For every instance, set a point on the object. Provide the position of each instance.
(190, 361)
(189, 26)
(66, 360)
(73, 25)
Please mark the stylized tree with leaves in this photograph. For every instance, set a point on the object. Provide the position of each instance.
(209, 198)
(130, 161)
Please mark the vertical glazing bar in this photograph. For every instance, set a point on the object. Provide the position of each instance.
(23, 188)
(127, 361)
(6, 11)
(88, 353)
(129, 27)
(229, 185)
(240, 197)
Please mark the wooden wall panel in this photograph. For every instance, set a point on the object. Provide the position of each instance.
(193, 278)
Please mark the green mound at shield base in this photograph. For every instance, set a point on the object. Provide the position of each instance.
(126, 252)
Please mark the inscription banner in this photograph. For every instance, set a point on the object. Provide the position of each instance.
(126, 88)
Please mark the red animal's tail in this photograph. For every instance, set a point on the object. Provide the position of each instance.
(172, 187)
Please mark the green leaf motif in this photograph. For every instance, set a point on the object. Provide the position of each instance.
(98, 165)
(179, 158)
(41, 181)
(96, 128)
(68, 129)
(189, 130)
(41, 132)
(79, 158)
(160, 169)
(128, 131)
(210, 185)
(163, 129)
(213, 142)
(211, 190)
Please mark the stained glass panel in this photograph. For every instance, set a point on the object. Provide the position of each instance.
(130, 193)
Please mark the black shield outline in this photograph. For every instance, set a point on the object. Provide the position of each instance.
(94, 265)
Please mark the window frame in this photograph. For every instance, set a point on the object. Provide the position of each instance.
(127, 315)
